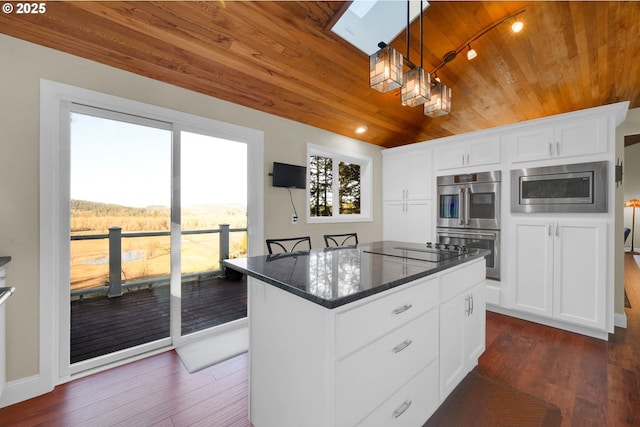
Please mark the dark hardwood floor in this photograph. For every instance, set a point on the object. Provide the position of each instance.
(593, 382)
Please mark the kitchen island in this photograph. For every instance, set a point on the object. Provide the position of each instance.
(377, 334)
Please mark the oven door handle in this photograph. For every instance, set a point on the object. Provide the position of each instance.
(467, 206)
(462, 214)
(467, 234)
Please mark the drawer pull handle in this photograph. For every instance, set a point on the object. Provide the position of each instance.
(402, 309)
(402, 409)
(402, 346)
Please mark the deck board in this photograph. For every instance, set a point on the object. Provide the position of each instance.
(101, 325)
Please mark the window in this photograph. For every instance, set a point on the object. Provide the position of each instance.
(339, 186)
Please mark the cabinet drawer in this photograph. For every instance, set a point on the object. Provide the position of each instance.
(457, 281)
(364, 323)
(410, 406)
(367, 378)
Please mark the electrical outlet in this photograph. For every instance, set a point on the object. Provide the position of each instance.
(294, 219)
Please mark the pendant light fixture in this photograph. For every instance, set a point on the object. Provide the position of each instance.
(416, 85)
(440, 102)
(385, 69)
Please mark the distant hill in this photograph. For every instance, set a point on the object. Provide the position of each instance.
(107, 209)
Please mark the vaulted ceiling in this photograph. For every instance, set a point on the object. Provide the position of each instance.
(282, 58)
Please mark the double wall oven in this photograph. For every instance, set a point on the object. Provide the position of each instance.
(469, 214)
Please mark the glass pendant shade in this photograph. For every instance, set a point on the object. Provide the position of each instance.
(385, 69)
(416, 87)
(440, 102)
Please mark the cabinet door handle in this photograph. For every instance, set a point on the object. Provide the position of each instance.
(404, 344)
(550, 149)
(549, 229)
(557, 230)
(467, 159)
(467, 305)
(557, 148)
(471, 300)
(402, 309)
(402, 409)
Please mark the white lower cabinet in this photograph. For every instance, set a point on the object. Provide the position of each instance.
(411, 405)
(462, 332)
(373, 362)
(365, 379)
(560, 270)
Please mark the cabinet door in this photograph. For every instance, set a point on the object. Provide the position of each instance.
(580, 273)
(533, 284)
(393, 217)
(450, 156)
(534, 144)
(474, 330)
(583, 137)
(393, 177)
(418, 221)
(419, 180)
(485, 152)
(452, 338)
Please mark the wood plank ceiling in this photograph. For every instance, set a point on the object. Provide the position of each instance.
(281, 58)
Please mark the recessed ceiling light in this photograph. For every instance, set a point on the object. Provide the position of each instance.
(361, 129)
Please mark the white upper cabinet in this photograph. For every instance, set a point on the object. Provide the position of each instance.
(407, 175)
(469, 153)
(576, 138)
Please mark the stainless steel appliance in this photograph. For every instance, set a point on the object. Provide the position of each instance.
(580, 188)
(475, 239)
(469, 200)
(469, 214)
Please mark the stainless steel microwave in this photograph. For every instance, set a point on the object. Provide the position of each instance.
(579, 188)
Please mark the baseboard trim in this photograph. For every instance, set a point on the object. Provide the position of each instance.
(24, 389)
(603, 335)
(620, 320)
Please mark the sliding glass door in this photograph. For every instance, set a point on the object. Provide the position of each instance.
(154, 209)
(213, 218)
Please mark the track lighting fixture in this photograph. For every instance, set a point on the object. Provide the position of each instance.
(386, 70)
(471, 53)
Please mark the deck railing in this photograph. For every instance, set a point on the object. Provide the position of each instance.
(115, 237)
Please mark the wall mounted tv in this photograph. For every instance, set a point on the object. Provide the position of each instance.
(289, 176)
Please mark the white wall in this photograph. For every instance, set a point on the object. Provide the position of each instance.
(631, 171)
(23, 65)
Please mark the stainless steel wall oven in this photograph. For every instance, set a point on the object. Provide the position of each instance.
(475, 239)
(469, 200)
(469, 214)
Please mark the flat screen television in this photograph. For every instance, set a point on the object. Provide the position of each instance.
(289, 176)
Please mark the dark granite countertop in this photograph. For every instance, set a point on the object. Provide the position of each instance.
(336, 276)
(4, 260)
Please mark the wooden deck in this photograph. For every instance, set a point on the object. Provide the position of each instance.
(101, 325)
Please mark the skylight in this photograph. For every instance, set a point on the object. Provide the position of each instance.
(367, 22)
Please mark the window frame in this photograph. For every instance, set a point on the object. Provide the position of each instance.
(366, 185)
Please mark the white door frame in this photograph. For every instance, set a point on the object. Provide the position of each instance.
(55, 99)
